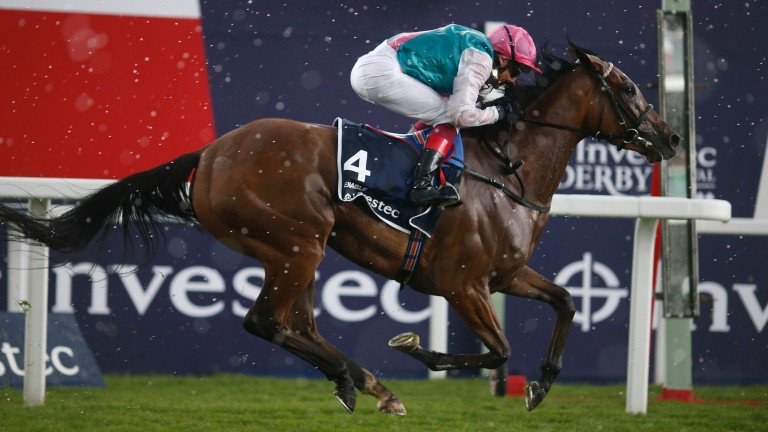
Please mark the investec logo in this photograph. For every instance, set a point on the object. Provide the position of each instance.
(578, 278)
(601, 167)
(59, 360)
(590, 171)
(185, 286)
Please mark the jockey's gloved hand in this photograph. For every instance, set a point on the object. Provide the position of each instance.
(509, 110)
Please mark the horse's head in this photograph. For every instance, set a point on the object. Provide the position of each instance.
(623, 116)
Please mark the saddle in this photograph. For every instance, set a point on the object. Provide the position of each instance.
(377, 166)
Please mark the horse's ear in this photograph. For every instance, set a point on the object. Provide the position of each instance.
(593, 62)
(576, 52)
(586, 58)
(572, 48)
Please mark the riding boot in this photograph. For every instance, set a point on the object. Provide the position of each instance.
(423, 192)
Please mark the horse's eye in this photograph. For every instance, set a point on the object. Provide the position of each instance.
(630, 90)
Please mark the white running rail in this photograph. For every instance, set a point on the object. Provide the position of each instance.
(646, 210)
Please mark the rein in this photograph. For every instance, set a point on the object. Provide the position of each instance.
(520, 199)
(630, 136)
(511, 168)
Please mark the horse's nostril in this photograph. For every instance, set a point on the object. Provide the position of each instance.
(675, 140)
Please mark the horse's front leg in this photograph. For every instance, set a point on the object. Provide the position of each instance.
(476, 309)
(530, 284)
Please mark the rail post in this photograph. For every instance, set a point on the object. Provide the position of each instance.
(36, 322)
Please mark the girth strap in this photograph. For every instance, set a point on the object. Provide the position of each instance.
(412, 254)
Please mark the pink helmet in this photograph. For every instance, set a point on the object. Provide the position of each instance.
(525, 49)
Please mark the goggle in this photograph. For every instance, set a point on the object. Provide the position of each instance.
(514, 68)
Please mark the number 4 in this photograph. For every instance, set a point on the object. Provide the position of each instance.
(357, 164)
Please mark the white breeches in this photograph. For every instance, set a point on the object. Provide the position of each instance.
(377, 78)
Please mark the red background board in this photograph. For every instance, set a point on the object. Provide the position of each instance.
(99, 96)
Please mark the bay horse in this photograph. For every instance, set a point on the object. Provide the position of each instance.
(268, 190)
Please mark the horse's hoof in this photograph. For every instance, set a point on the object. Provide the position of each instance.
(405, 342)
(347, 400)
(534, 395)
(391, 406)
(345, 393)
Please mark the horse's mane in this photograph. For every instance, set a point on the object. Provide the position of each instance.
(552, 67)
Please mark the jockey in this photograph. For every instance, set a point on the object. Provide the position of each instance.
(435, 77)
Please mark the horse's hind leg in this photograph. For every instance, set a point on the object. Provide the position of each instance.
(367, 383)
(388, 403)
(302, 319)
(530, 284)
(272, 317)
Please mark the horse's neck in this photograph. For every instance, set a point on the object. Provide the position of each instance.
(546, 150)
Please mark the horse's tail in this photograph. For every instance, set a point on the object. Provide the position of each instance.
(138, 202)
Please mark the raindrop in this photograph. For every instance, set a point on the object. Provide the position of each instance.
(83, 102)
(177, 247)
(238, 15)
(262, 98)
(310, 80)
(530, 325)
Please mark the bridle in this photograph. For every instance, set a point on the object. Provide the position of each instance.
(631, 135)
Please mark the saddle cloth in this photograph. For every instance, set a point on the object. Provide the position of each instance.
(377, 167)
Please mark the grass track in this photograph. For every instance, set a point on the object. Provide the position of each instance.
(236, 403)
